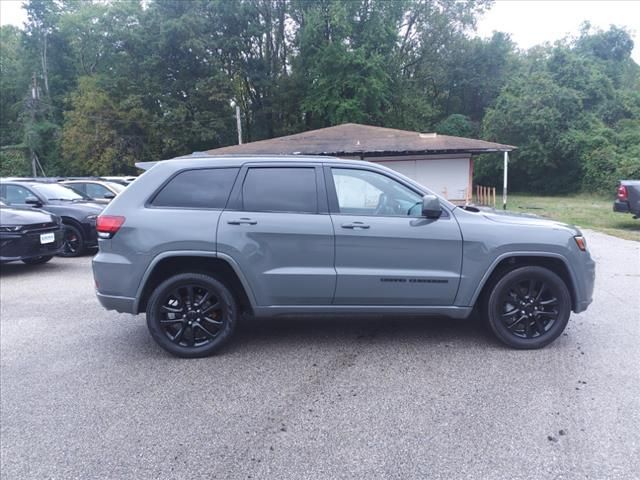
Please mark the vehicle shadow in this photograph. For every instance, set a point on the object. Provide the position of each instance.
(56, 264)
(360, 330)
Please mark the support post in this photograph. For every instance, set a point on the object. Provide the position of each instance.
(504, 182)
(239, 124)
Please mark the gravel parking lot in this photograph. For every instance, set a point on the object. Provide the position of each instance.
(85, 393)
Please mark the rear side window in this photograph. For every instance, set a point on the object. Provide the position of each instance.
(280, 190)
(202, 188)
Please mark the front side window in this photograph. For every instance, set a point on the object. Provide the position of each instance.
(95, 190)
(202, 188)
(275, 189)
(16, 195)
(362, 192)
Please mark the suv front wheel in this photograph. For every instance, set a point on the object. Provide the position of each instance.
(191, 315)
(528, 307)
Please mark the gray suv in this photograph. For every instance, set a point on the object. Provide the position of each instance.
(197, 241)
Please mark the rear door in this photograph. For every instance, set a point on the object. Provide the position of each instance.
(386, 252)
(277, 228)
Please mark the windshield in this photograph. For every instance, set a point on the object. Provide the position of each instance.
(53, 191)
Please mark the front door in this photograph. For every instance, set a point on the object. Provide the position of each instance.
(278, 228)
(386, 252)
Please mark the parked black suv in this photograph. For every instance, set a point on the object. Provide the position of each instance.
(78, 214)
(29, 235)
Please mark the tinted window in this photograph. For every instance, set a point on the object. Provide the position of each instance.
(203, 188)
(362, 192)
(280, 190)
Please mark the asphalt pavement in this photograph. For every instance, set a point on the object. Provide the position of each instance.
(86, 394)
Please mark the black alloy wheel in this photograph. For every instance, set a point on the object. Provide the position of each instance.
(37, 260)
(529, 307)
(72, 242)
(191, 315)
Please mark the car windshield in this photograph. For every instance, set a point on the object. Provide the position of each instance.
(53, 191)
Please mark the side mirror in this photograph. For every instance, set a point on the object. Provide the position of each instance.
(431, 206)
(33, 201)
(109, 196)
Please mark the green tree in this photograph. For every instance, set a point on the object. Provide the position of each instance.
(94, 142)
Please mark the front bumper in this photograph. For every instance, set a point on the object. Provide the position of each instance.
(586, 285)
(90, 234)
(25, 245)
(621, 207)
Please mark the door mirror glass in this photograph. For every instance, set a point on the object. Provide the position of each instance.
(109, 196)
(33, 201)
(431, 206)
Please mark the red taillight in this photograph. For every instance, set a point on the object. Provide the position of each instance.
(108, 225)
(622, 193)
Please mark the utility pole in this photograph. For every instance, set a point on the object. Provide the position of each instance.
(34, 98)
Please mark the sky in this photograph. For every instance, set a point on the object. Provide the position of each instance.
(532, 22)
(529, 22)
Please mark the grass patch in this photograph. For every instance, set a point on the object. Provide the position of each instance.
(588, 211)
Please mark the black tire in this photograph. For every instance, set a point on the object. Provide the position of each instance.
(528, 307)
(72, 242)
(192, 315)
(37, 260)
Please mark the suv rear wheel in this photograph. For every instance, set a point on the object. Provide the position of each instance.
(191, 315)
(528, 307)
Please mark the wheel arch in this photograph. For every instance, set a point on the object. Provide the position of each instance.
(72, 221)
(173, 263)
(509, 261)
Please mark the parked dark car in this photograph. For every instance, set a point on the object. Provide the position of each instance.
(628, 198)
(29, 235)
(77, 212)
(99, 191)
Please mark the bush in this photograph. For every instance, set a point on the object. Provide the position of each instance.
(14, 163)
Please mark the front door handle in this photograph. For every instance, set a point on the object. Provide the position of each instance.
(242, 221)
(355, 225)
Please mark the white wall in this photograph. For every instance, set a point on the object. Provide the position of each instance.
(446, 176)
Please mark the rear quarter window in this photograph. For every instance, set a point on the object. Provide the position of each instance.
(201, 188)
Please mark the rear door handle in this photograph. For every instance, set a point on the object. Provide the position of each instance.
(242, 221)
(355, 225)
